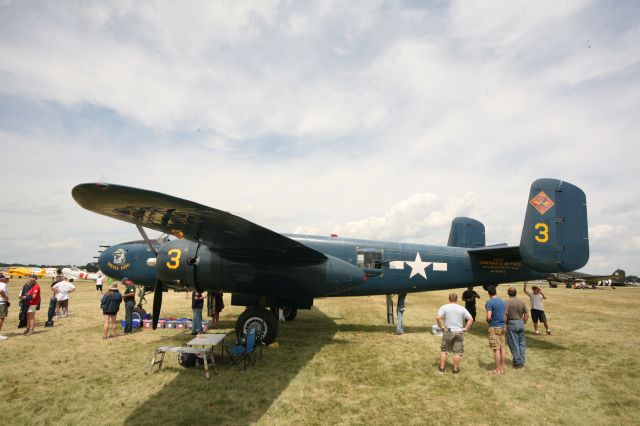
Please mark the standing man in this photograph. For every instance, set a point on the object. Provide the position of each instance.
(469, 296)
(22, 316)
(197, 302)
(401, 308)
(99, 281)
(517, 316)
(32, 299)
(495, 317)
(129, 297)
(61, 290)
(537, 308)
(4, 301)
(451, 318)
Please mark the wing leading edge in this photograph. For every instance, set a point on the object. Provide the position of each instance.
(223, 232)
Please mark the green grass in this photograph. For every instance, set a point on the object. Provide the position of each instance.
(336, 364)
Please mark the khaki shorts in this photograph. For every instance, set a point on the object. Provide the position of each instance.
(32, 308)
(3, 310)
(62, 304)
(452, 342)
(496, 337)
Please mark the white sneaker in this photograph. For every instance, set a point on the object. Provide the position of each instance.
(3, 337)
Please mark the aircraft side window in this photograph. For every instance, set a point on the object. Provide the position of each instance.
(369, 258)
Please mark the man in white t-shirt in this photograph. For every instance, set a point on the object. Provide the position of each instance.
(451, 318)
(62, 290)
(4, 301)
(99, 281)
(537, 308)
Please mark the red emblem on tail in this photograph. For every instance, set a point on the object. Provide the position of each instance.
(542, 202)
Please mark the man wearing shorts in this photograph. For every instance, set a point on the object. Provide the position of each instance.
(495, 317)
(537, 308)
(99, 283)
(4, 301)
(451, 318)
(61, 291)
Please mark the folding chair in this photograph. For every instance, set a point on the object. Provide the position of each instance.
(244, 353)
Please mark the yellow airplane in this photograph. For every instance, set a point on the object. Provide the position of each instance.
(22, 271)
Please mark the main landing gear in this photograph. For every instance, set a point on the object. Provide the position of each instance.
(262, 320)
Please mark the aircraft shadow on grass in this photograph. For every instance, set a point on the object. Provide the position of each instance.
(234, 396)
(381, 328)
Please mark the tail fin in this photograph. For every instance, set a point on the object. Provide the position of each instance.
(466, 232)
(555, 235)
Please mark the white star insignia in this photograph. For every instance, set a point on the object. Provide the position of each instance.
(418, 266)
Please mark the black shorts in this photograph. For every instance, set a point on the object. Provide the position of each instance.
(538, 315)
(98, 286)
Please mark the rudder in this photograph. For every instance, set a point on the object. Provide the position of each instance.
(555, 234)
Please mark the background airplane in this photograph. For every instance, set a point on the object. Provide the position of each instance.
(23, 271)
(80, 274)
(617, 278)
(261, 268)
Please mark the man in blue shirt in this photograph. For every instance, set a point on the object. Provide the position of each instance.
(496, 309)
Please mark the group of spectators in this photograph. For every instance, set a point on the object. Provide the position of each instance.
(505, 319)
(29, 300)
(112, 299)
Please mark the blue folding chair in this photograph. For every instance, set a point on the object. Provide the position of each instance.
(245, 354)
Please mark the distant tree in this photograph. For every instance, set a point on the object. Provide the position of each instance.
(91, 267)
(633, 278)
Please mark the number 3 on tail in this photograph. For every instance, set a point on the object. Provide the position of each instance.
(543, 232)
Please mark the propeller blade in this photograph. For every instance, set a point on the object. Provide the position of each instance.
(157, 303)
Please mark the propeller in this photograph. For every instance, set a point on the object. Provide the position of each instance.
(157, 302)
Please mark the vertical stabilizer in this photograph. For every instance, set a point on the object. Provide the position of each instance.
(555, 235)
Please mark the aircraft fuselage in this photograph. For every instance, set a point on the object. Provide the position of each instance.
(353, 267)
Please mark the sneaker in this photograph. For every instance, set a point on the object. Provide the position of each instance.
(548, 332)
(3, 337)
(456, 371)
(440, 370)
(537, 333)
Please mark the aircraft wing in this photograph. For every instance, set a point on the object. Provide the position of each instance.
(223, 232)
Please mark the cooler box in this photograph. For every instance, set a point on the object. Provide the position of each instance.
(205, 325)
(171, 324)
(147, 324)
(161, 323)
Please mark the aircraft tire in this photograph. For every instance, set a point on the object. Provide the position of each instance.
(289, 313)
(260, 318)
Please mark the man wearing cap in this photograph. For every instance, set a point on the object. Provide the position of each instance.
(4, 301)
(129, 303)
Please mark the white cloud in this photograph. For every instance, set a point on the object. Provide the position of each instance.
(320, 116)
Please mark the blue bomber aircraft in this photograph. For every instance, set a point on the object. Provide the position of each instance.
(218, 251)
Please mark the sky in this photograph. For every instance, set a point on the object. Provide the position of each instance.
(369, 119)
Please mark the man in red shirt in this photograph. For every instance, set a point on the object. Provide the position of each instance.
(32, 299)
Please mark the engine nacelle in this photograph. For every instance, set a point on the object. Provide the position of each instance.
(176, 264)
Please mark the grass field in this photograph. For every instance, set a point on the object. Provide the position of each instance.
(336, 364)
